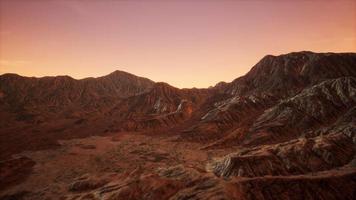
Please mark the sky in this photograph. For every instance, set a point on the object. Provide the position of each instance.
(186, 43)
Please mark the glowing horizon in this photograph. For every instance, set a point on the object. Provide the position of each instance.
(184, 43)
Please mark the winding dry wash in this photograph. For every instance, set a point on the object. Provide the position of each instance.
(285, 130)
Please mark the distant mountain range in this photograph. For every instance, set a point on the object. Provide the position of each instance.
(291, 114)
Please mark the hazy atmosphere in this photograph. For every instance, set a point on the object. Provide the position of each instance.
(183, 43)
(177, 100)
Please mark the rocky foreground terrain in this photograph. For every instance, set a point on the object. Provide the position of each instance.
(285, 130)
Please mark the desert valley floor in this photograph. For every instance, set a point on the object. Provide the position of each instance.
(84, 166)
(143, 166)
(285, 130)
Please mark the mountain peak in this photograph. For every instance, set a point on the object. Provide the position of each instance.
(288, 73)
(119, 72)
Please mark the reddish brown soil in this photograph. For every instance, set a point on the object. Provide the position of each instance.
(14, 171)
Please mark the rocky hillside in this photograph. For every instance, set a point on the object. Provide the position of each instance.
(288, 74)
(273, 80)
(164, 106)
(285, 130)
(64, 90)
(42, 110)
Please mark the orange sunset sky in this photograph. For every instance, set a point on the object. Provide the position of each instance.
(185, 43)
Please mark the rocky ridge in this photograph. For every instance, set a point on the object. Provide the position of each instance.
(285, 130)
